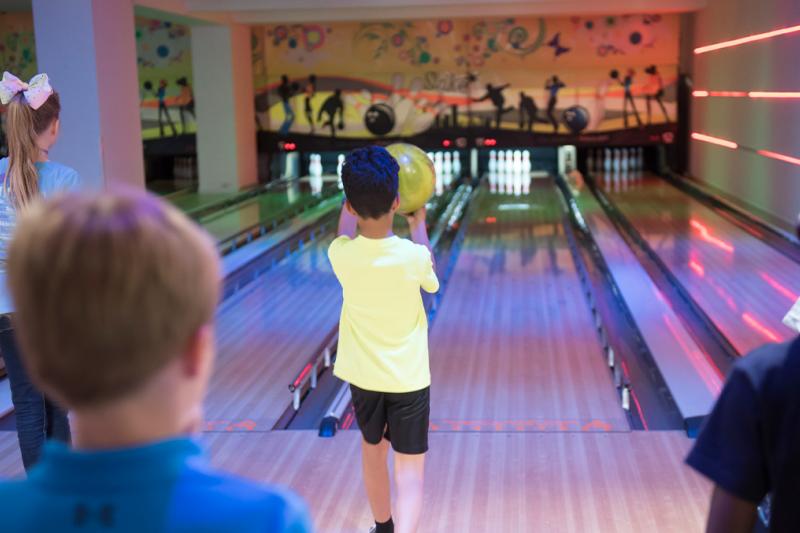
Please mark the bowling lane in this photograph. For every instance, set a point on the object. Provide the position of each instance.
(513, 347)
(271, 205)
(742, 284)
(267, 333)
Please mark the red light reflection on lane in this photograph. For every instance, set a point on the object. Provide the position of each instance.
(778, 287)
(751, 321)
(698, 268)
(700, 360)
(706, 236)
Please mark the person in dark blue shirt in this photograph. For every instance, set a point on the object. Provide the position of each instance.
(750, 444)
(115, 298)
(552, 86)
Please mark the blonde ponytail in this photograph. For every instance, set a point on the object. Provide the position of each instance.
(23, 126)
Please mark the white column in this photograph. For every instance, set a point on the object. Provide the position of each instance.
(223, 88)
(88, 49)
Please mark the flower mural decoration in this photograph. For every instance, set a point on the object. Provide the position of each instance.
(308, 37)
(487, 38)
(619, 35)
(160, 43)
(405, 39)
(18, 53)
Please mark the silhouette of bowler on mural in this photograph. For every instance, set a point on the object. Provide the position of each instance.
(655, 90)
(186, 101)
(161, 95)
(553, 85)
(627, 83)
(285, 92)
(310, 91)
(331, 106)
(527, 111)
(495, 94)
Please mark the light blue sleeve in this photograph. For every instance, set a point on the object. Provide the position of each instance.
(68, 180)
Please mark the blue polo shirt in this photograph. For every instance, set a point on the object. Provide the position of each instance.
(163, 487)
(750, 443)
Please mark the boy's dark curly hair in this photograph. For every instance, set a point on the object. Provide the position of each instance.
(370, 180)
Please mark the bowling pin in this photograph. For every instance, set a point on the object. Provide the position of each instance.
(448, 163)
(492, 182)
(339, 165)
(624, 161)
(517, 168)
(430, 156)
(526, 163)
(616, 161)
(607, 160)
(438, 162)
(501, 162)
(492, 161)
(456, 164)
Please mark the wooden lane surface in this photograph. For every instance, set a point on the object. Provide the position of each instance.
(513, 345)
(482, 482)
(741, 283)
(266, 335)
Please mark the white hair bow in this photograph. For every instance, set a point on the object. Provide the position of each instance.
(36, 91)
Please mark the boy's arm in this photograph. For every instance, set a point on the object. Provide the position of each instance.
(729, 513)
(419, 230)
(348, 223)
(419, 234)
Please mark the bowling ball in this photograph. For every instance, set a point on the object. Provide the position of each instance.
(417, 176)
(614, 74)
(576, 118)
(379, 119)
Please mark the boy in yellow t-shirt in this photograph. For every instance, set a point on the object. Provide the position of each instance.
(383, 333)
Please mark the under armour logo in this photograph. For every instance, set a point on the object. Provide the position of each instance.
(84, 515)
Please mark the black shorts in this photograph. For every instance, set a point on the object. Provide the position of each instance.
(399, 417)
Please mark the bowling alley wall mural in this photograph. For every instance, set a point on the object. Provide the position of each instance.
(165, 69)
(163, 51)
(550, 76)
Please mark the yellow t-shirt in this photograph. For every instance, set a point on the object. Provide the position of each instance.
(383, 330)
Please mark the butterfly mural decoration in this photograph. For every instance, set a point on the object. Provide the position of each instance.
(555, 44)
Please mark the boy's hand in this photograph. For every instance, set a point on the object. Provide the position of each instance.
(416, 218)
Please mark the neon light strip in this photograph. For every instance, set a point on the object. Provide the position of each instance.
(750, 94)
(732, 145)
(779, 157)
(759, 327)
(715, 140)
(774, 94)
(744, 40)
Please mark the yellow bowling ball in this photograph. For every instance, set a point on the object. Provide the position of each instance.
(417, 176)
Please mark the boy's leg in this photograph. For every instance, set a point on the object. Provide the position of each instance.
(409, 475)
(376, 478)
(370, 408)
(408, 415)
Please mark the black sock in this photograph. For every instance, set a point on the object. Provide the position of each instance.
(385, 527)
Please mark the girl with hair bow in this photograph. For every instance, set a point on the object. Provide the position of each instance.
(32, 127)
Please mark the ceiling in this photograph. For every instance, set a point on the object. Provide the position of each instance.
(272, 11)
